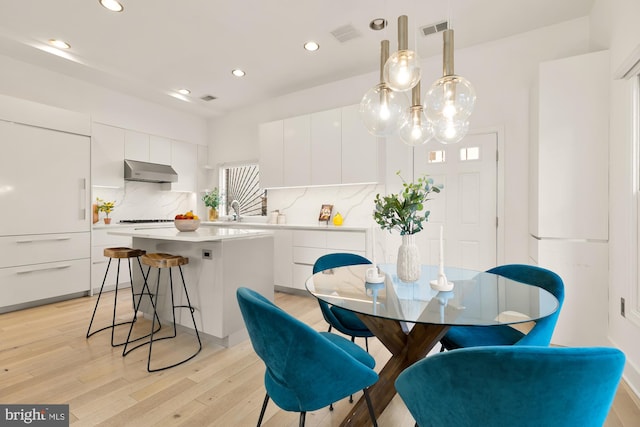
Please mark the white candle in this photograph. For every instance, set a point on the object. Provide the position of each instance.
(441, 247)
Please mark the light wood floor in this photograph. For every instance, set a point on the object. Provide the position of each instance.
(46, 359)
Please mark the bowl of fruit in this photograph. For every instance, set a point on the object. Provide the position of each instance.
(187, 222)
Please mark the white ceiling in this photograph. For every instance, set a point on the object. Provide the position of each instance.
(155, 47)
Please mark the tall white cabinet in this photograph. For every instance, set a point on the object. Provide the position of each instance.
(44, 214)
(569, 191)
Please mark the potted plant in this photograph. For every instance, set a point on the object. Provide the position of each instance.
(211, 200)
(404, 212)
(106, 207)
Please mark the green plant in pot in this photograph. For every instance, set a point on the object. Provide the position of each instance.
(211, 200)
(405, 212)
(106, 207)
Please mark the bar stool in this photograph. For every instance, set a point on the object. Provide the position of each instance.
(120, 254)
(161, 261)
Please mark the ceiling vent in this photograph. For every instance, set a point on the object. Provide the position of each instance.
(346, 33)
(427, 30)
(208, 98)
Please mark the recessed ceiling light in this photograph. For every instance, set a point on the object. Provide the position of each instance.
(378, 24)
(60, 44)
(112, 5)
(184, 91)
(238, 73)
(311, 46)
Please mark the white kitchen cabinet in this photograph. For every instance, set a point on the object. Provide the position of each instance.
(272, 154)
(326, 150)
(184, 159)
(282, 258)
(297, 151)
(100, 241)
(107, 155)
(204, 170)
(359, 149)
(309, 245)
(159, 150)
(136, 146)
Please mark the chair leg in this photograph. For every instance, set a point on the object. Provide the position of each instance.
(331, 406)
(302, 417)
(370, 407)
(366, 343)
(264, 408)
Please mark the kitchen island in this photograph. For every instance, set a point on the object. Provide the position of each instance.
(221, 259)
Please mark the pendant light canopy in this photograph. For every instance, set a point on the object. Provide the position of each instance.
(402, 69)
(416, 129)
(381, 108)
(450, 100)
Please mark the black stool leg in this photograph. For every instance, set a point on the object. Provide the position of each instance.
(145, 284)
(89, 333)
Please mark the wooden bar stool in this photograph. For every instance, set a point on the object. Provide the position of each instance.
(120, 254)
(161, 261)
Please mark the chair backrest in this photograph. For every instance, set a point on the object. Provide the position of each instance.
(513, 386)
(326, 262)
(304, 369)
(541, 333)
(338, 259)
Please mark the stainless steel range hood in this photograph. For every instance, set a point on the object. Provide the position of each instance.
(148, 172)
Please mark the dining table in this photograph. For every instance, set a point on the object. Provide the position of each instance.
(409, 319)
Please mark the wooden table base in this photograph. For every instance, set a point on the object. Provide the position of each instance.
(406, 349)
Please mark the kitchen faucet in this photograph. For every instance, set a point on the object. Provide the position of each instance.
(235, 205)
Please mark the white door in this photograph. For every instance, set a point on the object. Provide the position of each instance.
(467, 206)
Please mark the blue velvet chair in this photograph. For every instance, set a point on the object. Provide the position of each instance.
(338, 318)
(540, 334)
(306, 369)
(520, 386)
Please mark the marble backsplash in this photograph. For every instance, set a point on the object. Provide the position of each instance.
(145, 200)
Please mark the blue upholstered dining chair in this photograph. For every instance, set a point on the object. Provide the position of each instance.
(306, 369)
(520, 386)
(338, 318)
(540, 334)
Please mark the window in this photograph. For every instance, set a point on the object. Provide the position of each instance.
(241, 182)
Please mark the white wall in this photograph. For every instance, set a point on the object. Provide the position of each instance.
(502, 73)
(615, 26)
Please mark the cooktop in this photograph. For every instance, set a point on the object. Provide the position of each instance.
(142, 221)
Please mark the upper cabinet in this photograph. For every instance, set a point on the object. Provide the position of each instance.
(323, 148)
(184, 159)
(107, 154)
(159, 150)
(271, 154)
(136, 146)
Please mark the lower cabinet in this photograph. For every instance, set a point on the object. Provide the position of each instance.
(101, 241)
(37, 268)
(309, 245)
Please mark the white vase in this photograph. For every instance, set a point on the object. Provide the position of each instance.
(408, 265)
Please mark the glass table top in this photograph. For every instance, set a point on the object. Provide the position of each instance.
(477, 298)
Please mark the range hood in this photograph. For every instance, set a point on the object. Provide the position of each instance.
(148, 172)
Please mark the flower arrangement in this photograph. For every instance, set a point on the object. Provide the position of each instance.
(402, 211)
(211, 199)
(106, 207)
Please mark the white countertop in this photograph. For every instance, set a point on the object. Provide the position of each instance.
(266, 226)
(203, 234)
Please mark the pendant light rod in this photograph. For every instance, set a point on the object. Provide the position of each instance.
(415, 95)
(384, 55)
(403, 32)
(447, 53)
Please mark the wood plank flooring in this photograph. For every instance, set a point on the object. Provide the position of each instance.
(45, 358)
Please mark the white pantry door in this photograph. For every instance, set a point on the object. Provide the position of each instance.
(467, 205)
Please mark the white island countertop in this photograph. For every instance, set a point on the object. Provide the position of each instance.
(203, 234)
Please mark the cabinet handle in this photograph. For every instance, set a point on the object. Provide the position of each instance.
(82, 199)
(34, 270)
(54, 239)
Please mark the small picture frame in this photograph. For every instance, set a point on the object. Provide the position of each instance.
(325, 213)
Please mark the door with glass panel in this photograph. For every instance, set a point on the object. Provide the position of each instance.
(467, 206)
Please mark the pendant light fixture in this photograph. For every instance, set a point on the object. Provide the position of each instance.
(402, 69)
(450, 100)
(416, 129)
(381, 109)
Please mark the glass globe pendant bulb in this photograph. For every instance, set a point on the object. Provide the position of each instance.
(402, 70)
(415, 129)
(451, 98)
(381, 110)
(450, 131)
